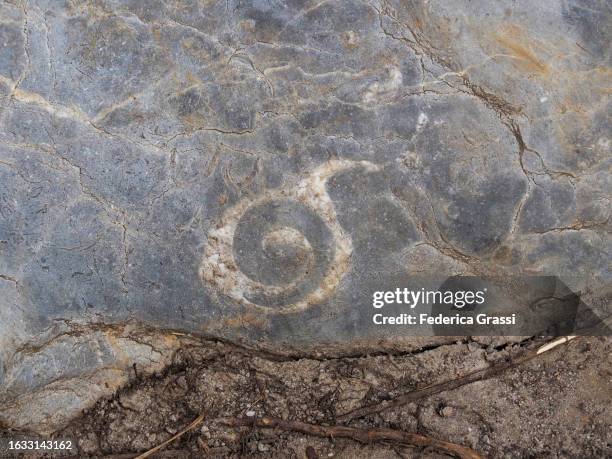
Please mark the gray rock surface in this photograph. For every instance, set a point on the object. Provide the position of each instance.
(245, 170)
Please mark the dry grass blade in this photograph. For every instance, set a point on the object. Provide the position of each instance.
(360, 435)
(191, 426)
(547, 347)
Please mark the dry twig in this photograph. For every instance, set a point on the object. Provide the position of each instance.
(479, 375)
(360, 435)
(191, 426)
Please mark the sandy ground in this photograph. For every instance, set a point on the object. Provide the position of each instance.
(554, 405)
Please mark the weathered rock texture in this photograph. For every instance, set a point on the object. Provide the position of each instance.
(245, 170)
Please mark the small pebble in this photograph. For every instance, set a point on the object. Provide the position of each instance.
(250, 414)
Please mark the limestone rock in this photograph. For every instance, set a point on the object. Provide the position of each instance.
(243, 170)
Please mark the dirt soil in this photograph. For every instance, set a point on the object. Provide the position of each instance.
(554, 405)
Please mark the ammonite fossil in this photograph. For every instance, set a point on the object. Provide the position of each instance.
(283, 250)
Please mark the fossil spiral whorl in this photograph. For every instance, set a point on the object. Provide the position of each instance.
(283, 250)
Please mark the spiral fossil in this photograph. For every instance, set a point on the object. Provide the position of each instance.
(283, 250)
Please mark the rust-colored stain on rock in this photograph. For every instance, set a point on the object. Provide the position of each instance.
(513, 40)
